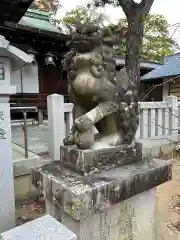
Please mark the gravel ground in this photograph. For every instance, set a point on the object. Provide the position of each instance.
(29, 209)
(168, 206)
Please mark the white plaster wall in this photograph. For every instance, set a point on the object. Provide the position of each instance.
(29, 81)
(16, 80)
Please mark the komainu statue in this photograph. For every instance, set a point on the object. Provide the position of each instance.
(105, 101)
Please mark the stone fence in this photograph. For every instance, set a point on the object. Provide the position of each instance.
(60, 120)
(157, 120)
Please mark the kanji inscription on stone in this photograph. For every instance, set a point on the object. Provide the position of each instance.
(1, 115)
(2, 134)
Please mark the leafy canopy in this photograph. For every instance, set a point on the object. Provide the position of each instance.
(156, 40)
(81, 15)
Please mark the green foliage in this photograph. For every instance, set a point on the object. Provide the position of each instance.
(156, 41)
(119, 31)
(78, 15)
(81, 15)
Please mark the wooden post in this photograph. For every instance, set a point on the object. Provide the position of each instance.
(56, 124)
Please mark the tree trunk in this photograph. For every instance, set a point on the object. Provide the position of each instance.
(135, 13)
(134, 46)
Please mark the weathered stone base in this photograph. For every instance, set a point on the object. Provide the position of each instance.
(132, 219)
(85, 161)
(114, 204)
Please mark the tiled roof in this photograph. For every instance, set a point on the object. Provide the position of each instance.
(144, 64)
(169, 69)
(38, 19)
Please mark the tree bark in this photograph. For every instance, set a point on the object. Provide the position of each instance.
(135, 13)
(134, 46)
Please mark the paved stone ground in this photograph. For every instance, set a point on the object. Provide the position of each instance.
(19, 153)
(37, 138)
(29, 209)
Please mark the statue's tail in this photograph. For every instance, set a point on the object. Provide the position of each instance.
(128, 98)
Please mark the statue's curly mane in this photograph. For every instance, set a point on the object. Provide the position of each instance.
(92, 57)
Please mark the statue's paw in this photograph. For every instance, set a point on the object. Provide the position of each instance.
(68, 140)
(85, 140)
(83, 123)
(118, 140)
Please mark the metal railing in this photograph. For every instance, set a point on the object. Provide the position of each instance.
(23, 123)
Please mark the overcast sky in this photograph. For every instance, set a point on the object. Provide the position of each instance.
(169, 8)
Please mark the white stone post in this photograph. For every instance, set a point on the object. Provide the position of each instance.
(165, 89)
(173, 118)
(56, 124)
(138, 134)
(7, 201)
(68, 117)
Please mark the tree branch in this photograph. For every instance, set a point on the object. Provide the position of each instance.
(145, 6)
(127, 5)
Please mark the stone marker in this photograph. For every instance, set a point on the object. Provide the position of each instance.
(7, 205)
(13, 58)
(102, 188)
(44, 228)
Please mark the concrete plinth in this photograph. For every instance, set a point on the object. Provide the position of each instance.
(132, 219)
(114, 204)
(86, 161)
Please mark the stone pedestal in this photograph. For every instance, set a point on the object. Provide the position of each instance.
(113, 204)
(88, 161)
(133, 218)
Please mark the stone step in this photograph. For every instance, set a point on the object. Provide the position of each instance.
(44, 228)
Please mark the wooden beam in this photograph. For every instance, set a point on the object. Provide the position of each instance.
(13, 10)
